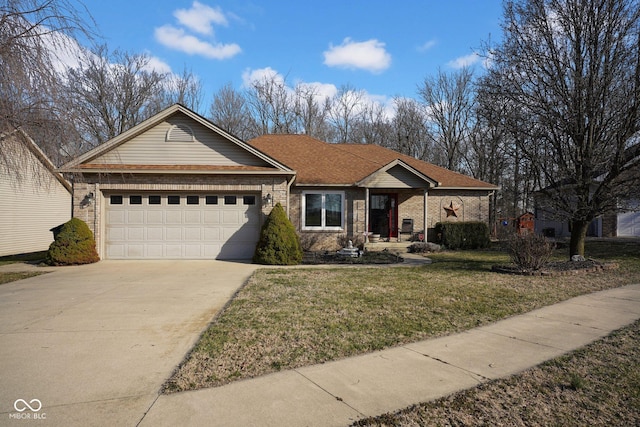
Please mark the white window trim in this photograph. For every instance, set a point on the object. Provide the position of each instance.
(323, 214)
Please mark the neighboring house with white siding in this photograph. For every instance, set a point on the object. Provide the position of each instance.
(178, 187)
(33, 197)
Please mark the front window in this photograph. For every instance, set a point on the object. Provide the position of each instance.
(323, 211)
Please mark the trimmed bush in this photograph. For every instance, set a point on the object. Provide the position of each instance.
(463, 235)
(279, 243)
(529, 251)
(424, 247)
(74, 244)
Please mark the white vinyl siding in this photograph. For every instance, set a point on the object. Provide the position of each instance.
(29, 207)
(153, 148)
(181, 226)
(396, 177)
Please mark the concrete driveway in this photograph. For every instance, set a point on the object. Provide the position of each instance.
(93, 344)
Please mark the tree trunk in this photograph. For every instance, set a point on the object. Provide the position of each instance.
(578, 234)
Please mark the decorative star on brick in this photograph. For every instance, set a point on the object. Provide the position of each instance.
(452, 210)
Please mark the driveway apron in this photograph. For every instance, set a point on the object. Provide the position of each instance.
(92, 345)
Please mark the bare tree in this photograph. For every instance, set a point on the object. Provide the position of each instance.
(311, 111)
(410, 131)
(110, 93)
(185, 89)
(34, 36)
(449, 99)
(571, 69)
(230, 111)
(373, 126)
(347, 107)
(271, 103)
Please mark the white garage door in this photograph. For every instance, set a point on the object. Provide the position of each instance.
(181, 226)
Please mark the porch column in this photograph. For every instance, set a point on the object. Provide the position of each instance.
(366, 214)
(426, 210)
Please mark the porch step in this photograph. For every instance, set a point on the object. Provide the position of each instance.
(394, 246)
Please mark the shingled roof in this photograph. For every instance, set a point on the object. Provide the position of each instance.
(317, 162)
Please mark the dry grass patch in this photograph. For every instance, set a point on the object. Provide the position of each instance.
(287, 318)
(598, 385)
(12, 277)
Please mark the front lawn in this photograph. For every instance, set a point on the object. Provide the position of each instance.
(287, 318)
(597, 385)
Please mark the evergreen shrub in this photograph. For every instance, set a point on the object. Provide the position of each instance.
(74, 244)
(463, 235)
(279, 243)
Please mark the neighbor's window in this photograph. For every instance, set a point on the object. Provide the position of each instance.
(135, 200)
(115, 200)
(193, 200)
(154, 200)
(173, 200)
(211, 200)
(230, 200)
(322, 210)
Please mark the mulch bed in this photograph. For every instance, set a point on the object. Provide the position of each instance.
(558, 268)
(372, 257)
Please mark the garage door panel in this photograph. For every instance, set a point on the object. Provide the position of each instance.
(211, 234)
(135, 233)
(191, 231)
(135, 250)
(116, 233)
(116, 217)
(192, 217)
(155, 233)
(173, 234)
(193, 251)
(194, 234)
(155, 217)
(173, 251)
(173, 217)
(154, 250)
(135, 217)
(116, 251)
(211, 217)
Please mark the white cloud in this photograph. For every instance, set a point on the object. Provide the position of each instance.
(321, 90)
(260, 75)
(427, 45)
(369, 55)
(200, 17)
(464, 61)
(178, 39)
(158, 65)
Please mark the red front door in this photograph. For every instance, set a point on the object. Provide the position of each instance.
(383, 214)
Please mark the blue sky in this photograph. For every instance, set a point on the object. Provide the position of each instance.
(384, 48)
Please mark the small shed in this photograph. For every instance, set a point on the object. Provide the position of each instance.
(526, 223)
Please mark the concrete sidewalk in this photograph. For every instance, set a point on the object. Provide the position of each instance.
(341, 392)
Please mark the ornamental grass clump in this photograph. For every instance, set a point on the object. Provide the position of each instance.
(74, 244)
(530, 251)
(279, 243)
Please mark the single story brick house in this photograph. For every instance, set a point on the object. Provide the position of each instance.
(178, 187)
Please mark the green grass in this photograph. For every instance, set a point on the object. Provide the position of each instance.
(287, 318)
